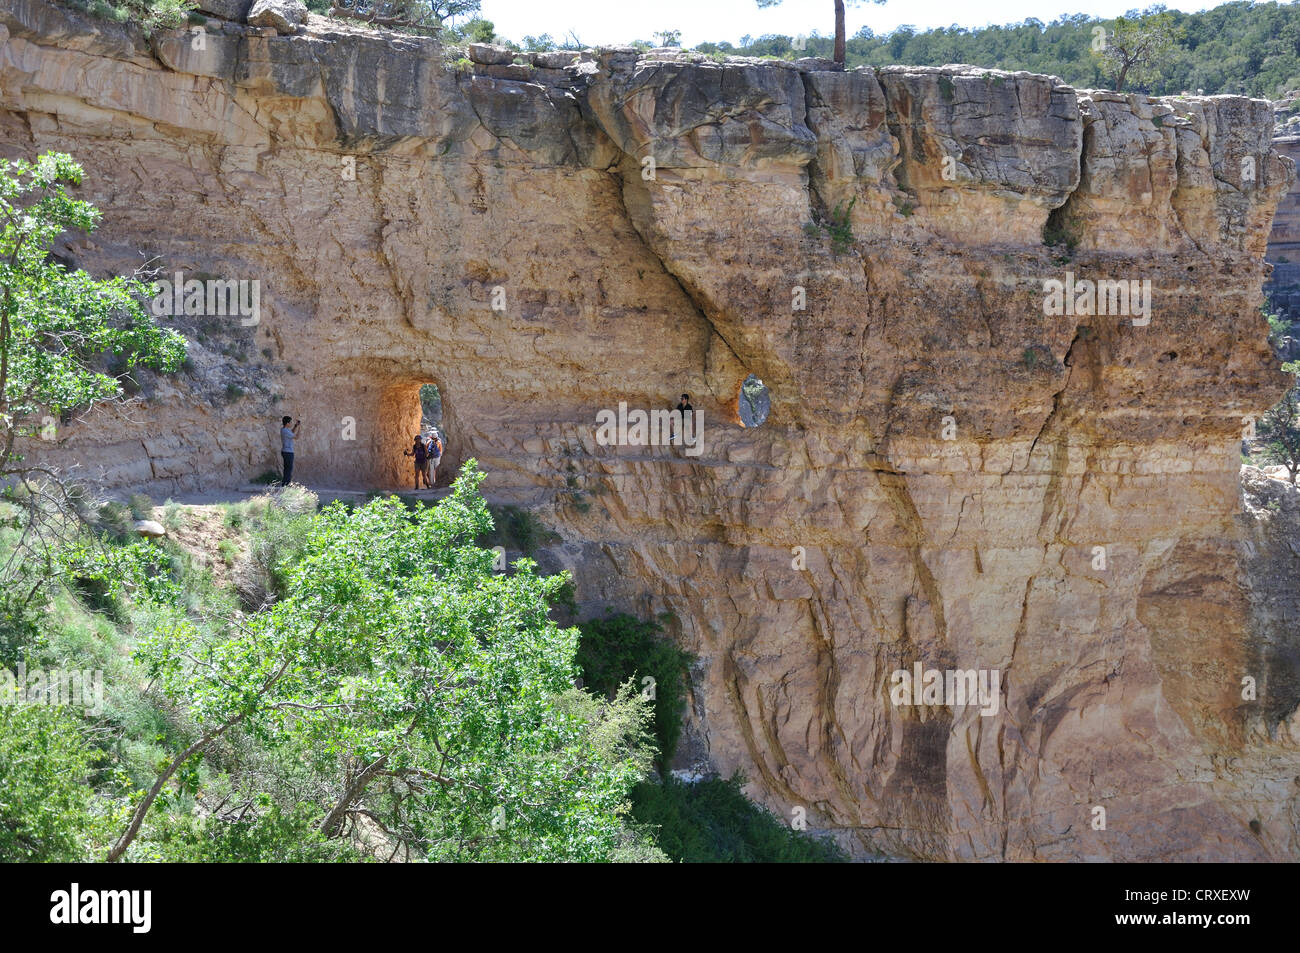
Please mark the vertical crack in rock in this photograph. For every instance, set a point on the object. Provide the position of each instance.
(1060, 449)
(628, 171)
(829, 689)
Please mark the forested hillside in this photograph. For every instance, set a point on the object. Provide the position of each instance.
(1251, 48)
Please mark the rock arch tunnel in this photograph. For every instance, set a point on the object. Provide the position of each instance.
(360, 421)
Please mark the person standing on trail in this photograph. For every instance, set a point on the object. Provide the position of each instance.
(421, 453)
(683, 408)
(287, 434)
(435, 457)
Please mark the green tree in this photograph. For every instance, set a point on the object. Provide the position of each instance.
(150, 15)
(411, 13)
(619, 648)
(57, 325)
(839, 53)
(44, 797)
(1240, 48)
(712, 822)
(479, 30)
(430, 406)
(440, 691)
(1137, 48)
(1279, 428)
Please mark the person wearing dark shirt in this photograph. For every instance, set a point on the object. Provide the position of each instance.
(684, 407)
(420, 451)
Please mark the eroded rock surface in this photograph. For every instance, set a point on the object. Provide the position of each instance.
(948, 474)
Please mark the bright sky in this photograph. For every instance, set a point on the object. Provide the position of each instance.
(616, 22)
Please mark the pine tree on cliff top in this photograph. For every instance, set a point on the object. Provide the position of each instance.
(839, 54)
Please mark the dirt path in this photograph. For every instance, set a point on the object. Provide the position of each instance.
(326, 495)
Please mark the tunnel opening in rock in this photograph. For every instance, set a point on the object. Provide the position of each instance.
(409, 408)
(431, 406)
(753, 402)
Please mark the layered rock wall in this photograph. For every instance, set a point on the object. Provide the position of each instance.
(953, 472)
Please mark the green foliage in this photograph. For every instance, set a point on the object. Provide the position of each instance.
(1242, 47)
(430, 405)
(479, 30)
(1061, 229)
(517, 528)
(115, 520)
(140, 506)
(261, 832)
(173, 515)
(713, 822)
(839, 227)
(621, 647)
(1135, 49)
(55, 323)
(150, 15)
(1279, 429)
(439, 691)
(424, 14)
(22, 607)
(116, 567)
(44, 799)
(279, 527)
(447, 675)
(839, 34)
(1278, 328)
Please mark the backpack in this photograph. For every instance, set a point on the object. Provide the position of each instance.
(436, 449)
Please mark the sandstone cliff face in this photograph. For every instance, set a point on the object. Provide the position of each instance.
(943, 458)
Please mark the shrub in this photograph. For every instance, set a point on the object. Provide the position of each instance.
(141, 506)
(173, 517)
(265, 834)
(277, 540)
(1060, 229)
(22, 605)
(115, 521)
(516, 528)
(619, 647)
(713, 822)
(396, 644)
(840, 228)
(44, 797)
(151, 15)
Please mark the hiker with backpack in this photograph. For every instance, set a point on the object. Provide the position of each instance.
(420, 450)
(433, 458)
